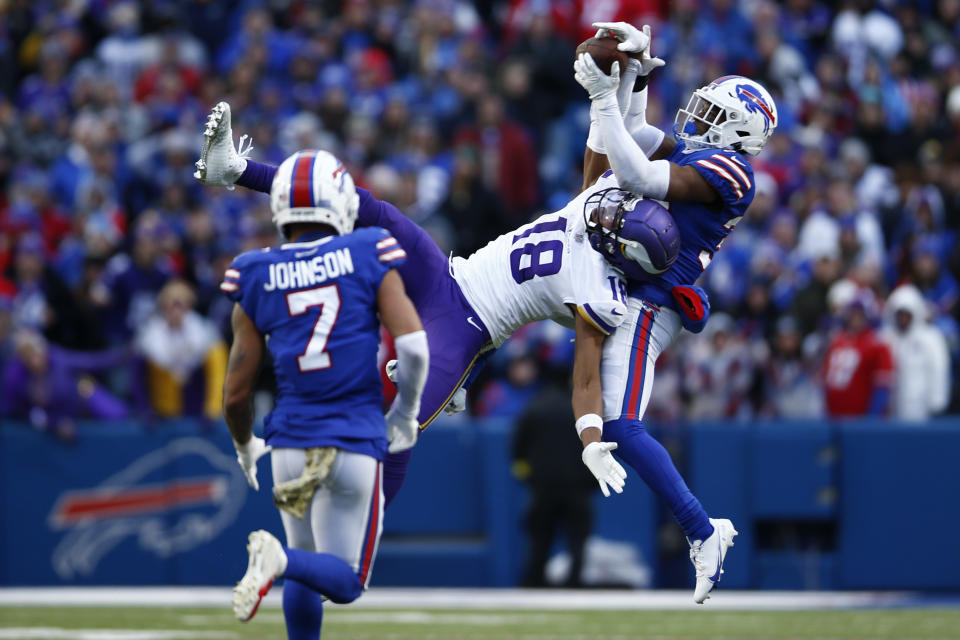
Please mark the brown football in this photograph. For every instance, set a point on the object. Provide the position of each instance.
(604, 51)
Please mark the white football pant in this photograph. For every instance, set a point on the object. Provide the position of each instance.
(345, 517)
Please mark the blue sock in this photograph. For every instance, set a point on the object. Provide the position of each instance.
(257, 176)
(324, 573)
(302, 610)
(648, 457)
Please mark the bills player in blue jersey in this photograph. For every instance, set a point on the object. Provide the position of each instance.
(313, 304)
(704, 178)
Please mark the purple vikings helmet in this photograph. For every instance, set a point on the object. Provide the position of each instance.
(637, 236)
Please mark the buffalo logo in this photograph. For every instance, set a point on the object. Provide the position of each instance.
(751, 99)
(166, 516)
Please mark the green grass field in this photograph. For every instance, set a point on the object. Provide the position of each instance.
(134, 623)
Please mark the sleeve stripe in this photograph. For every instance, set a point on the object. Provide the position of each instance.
(718, 170)
(232, 273)
(229, 287)
(733, 165)
(594, 319)
(390, 256)
(386, 242)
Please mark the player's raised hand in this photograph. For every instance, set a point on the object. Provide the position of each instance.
(402, 430)
(632, 40)
(604, 467)
(647, 62)
(598, 84)
(247, 456)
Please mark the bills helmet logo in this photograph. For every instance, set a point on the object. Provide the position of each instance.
(753, 103)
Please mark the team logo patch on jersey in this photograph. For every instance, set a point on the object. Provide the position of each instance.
(755, 104)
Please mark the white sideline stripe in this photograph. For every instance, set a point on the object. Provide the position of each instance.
(474, 599)
(59, 633)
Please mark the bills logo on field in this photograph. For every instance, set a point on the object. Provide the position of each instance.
(165, 511)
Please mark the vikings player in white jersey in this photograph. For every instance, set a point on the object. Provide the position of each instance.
(705, 180)
(548, 269)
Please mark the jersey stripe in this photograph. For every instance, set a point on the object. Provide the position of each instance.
(390, 256)
(638, 368)
(736, 169)
(229, 287)
(721, 172)
(590, 316)
(301, 186)
(369, 548)
(386, 242)
(232, 273)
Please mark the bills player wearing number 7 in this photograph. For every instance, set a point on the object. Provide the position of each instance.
(705, 179)
(316, 304)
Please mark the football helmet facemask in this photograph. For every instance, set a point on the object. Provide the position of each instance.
(637, 236)
(731, 111)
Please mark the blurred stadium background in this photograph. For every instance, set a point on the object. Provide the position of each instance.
(117, 468)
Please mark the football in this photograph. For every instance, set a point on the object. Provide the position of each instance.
(604, 52)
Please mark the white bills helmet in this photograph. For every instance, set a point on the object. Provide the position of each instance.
(314, 186)
(731, 111)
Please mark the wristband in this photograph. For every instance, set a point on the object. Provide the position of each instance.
(587, 421)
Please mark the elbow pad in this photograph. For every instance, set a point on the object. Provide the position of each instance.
(413, 361)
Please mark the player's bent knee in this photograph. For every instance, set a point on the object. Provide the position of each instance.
(349, 593)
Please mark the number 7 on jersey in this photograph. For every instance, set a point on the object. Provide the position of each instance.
(315, 357)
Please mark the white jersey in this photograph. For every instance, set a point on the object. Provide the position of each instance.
(534, 272)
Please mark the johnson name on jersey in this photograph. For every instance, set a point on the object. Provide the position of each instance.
(535, 271)
(703, 228)
(315, 302)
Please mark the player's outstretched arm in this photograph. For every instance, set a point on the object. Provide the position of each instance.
(631, 98)
(588, 407)
(246, 356)
(413, 360)
(657, 179)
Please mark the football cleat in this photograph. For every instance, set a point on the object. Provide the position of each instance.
(220, 164)
(267, 562)
(707, 557)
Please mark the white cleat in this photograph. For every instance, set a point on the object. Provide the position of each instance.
(267, 562)
(220, 164)
(707, 557)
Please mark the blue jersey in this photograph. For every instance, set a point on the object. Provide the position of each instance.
(315, 302)
(703, 227)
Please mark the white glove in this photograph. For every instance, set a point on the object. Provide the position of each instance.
(598, 84)
(401, 430)
(647, 62)
(457, 403)
(603, 466)
(632, 40)
(247, 456)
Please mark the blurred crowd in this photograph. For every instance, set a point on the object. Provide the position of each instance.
(840, 282)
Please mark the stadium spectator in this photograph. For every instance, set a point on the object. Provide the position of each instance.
(921, 384)
(790, 387)
(185, 357)
(134, 280)
(49, 387)
(858, 367)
